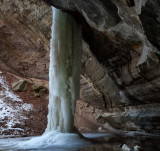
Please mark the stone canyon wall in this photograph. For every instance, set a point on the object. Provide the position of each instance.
(120, 83)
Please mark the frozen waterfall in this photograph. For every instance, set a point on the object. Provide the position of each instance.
(64, 85)
(64, 74)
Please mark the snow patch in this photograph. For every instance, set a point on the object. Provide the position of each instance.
(11, 107)
(27, 107)
(137, 148)
(125, 148)
(54, 139)
(7, 92)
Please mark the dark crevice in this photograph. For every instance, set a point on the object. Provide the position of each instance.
(111, 8)
(49, 2)
(150, 24)
(105, 49)
(109, 98)
(130, 3)
(104, 100)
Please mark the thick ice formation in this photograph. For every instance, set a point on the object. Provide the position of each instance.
(64, 84)
(54, 140)
(64, 76)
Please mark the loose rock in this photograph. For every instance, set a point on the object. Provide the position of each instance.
(39, 90)
(20, 86)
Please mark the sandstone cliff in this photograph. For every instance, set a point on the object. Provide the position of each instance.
(120, 75)
(120, 83)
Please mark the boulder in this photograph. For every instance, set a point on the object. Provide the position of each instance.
(39, 90)
(20, 86)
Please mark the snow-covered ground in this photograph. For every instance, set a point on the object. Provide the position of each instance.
(11, 107)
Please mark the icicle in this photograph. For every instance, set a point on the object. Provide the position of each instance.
(64, 74)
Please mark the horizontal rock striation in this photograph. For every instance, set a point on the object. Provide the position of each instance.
(120, 79)
(24, 38)
(120, 63)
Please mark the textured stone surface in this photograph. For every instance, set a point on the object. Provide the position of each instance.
(120, 60)
(39, 90)
(85, 117)
(20, 86)
(24, 37)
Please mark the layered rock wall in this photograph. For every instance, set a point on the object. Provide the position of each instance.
(120, 73)
(120, 58)
(24, 37)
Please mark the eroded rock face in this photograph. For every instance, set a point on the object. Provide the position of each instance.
(120, 83)
(121, 68)
(24, 51)
(24, 37)
(20, 86)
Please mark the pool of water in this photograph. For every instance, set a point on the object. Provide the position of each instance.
(99, 142)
